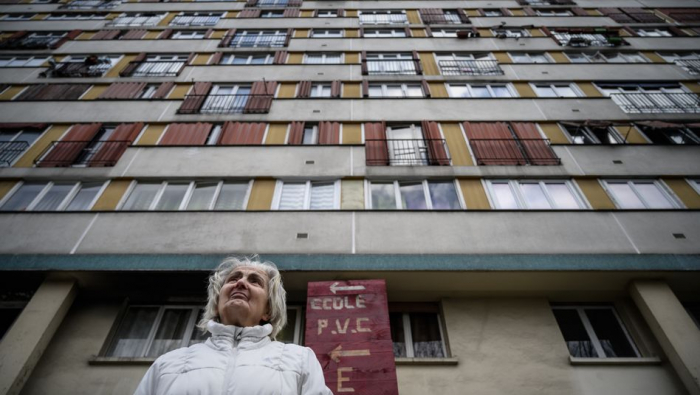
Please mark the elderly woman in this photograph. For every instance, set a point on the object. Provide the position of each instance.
(246, 309)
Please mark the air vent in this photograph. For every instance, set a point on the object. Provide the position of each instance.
(310, 162)
(679, 235)
(617, 162)
(302, 235)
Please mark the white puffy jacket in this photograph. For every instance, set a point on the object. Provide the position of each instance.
(236, 361)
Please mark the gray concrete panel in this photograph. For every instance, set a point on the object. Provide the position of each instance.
(88, 111)
(658, 160)
(180, 6)
(639, 3)
(273, 73)
(29, 8)
(652, 232)
(594, 72)
(64, 173)
(284, 23)
(413, 172)
(409, 5)
(53, 25)
(14, 75)
(422, 44)
(579, 21)
(664, 43)
(41, 233)
(135, 46)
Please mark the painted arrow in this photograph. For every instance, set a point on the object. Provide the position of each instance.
(339, 352)
(335, 287)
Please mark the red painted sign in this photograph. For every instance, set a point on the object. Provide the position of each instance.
(347, 326)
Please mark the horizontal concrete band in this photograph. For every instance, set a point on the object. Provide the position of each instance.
(355, 262)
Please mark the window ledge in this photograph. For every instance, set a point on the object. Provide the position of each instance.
(615, 361)
(120, 361)
(426, 361)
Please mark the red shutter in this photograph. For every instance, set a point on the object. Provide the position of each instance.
(216, 58)
(291, 13)
(365, 88)
(129, 69)
(242, 133)
(280, 57)
(251, 3)
(260, 100)
(186, 134)
(296, 133)
(249, 13)
(336, 88)
(113, 148)
(53, 92)
(363, 60)
(432, 15)
(529, 11)
(578, 11)
(538, 150)
(208, 33)
(65, 154)
(70, 36)
(31, 93)
(163, 90)
(463, 17)
(426, 88)
(428, 32)
(329, 133)
(376, 152)
(226, 41)
(407, 31)
(288, 37)
(437, 154)
(193, 102)
(677, 32)
(493, 144)
(362, 32)
(135, 34)
(106, 35)
(416, 61)
(547, 32)
(165, 34)
(304, 89)
(123, 90)
(341, 12)
(506, 12)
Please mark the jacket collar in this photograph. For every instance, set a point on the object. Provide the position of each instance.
(226, 336)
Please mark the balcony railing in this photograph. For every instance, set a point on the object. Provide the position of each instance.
(657, 103)
(383, 19)
(272, 3)
(408, 152)
(11, 150)
(135, 21)
(226, 104)
(443, 19)
(401, 67)
(692, 66)
(90, 5)
(155, 68)
(31, 43)
(79, 69)
(587, 40)
(82, 153)
(186, 20)
(258, 41)
(513, 152)
(470, 67)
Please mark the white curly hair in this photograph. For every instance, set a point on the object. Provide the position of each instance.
(276, 295)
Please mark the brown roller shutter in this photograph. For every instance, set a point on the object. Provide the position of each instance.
(106, 35)
(288, 37)
(609, 11)
(53, 92)
(186, 134)
(134, 34)
(428, 32)
(249, 13)
(362, 32)
(31, 92)
(123, 90)
(336, 88)
(329, 133)
(376, 152)
(529, 11)
(296, 133)
(242, 133)
(437, 155)
(291, 12)
(294, 3)
(260, 100)
(463, 17)
(165, 34)
(163, 90)
(578, 11)
(506, 12)
(20, 126)
(432, 16)
(304, 90)
(407, 31)
(216, 58)
(363, 60)
(426, 88)
(677, 32)
(72, 35)
(416, 61)
(535, 147)
(341, 12)
(63, 155)
(14, 37)
(208, 33)
(251, 3)
(492, 143)
(365, 88)
(280, 57)
(129, 69)
(193, 102)
(113, 148)
(226, 41)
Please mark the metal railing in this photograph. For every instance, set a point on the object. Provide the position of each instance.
(470, 67)
(272, 3)
(586, 40)
(443, 19)
(195, 20)
(408, 152)
(513, 152)
(135, 21)
(258, 41)
(77, 153)
(226, 104)
(157, 68)
(30, 43)
(383, 19)
(657, 103)
(79, 69)
(393, 66)
(692, 66)
(11, 150)
(90, 5)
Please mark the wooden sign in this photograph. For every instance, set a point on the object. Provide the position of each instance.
(347, 326)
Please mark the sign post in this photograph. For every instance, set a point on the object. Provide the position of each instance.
(347, 326)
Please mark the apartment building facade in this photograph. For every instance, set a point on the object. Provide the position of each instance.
(524, 175)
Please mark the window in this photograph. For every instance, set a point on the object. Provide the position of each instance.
(137, 19)
(52, 196)
(591, 38)
(594, 332)
(651, 97)
(406, 145)
(13, 142)
(672, 135)
(552, 12)
(23, 61)
(259, 38)
(640, 194)
(413, 195)
(606, 57)
(75, 16)
(579, 134)
(391, 63)
(226, 99)
(323, 58)
(148, 91)
(17, 17)
(272, 14)
(395, 90)
(326, 33)
(493, 12)
(320, 90)
(510, 32)
(533, 195)
(310, 136)
(187, 195)
(653, 32)
(307, 195)
(417, 335)
(556, 90)
(242, 58)
(673, 56)
(444, 32)
(384, 33)
(327, 14)
(526, 57)
(480, 91)
(188, 35)
(197, 19)
(390, 17)
(161, 65)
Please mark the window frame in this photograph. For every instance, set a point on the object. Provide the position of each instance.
(279, 185)
(65, 202)
(229, 58)
(16, 135)
(619, 139)
(30, 58)
(187, 197)
(521, 201)
(553, 86)
(404, 86)
(324, 57)
(664, 190)
(408, 335)
(529, 57)
(511, 90)
(376, 33)
(510, 32)
(327, 33)
(426, 193)
(327, 14)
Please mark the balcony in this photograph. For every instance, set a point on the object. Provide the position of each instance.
(78, 70)
(82, 153)
(31, 43)
(11, 150)
(226, 104)
(153, 68)
(276, 3)
(258, 41)
(657, 103)
(470, 67)
(195, 20)
(393, 67)
(443, 19)
(692, 66)
(513, 152)
(383, 19)
(90, 5)
(579, 40)
(136, 21)
(407, 152)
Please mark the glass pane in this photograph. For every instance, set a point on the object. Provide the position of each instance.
(171, 330)
(414, 91)
(565, 91)
(503, 196)
(53, 198)
(412, 196)
(394, 91)
(544, 91)
(480, 91)
(85, 196)
(292, 197)
(443, 195)
(427, 342)
(652, 196)
(397, 334)
(575, 335)
(197, 335)
(459, 91)
(383, 197)
(624, 195)
(141, 197)
(534, 196)
(286, 335)
(29, 137)
(232, 196)
(562, 196)
(500, 91)
(23, 197)
(322, 196)
(202, 196)
(133, 332)
(610, 334)
(172, 196)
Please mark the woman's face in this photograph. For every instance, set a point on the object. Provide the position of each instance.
(243, 298)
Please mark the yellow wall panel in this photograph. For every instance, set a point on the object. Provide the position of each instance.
(152, 35)
(553, 133)
(287, 90)
(352, 33)
(352, 58)
(352, 195)
(201, 59)
(593, 12)
(595, 194)
(114, 71)
(524, 89)
(151, 135)
(537, 33)
(693, 86)
(53, 134)
(231, 15)
(559, 57)
(11, 92)
(261, 195)
(113, 15)
(682, 189)
(427, 61)
(295, 58)
(301, 33)
(438, 89)
(85, 36)
(351, 14)
(456, 144)
(180, 91)
(485, 32)
(413, 17)
(5, 187)
(112, 195)
(276, 133)
(653, 57)
(57, 59)
(307, 13)
(474, 194)
(625, 33)
(352, 89)
(631, 134)
(502, 57)
(352, 133)
(517, 12)
(472, 12)
(39, 17)
(217, 35)
(94, 91)
(166, 21)
(418, 33)
(589, 89)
